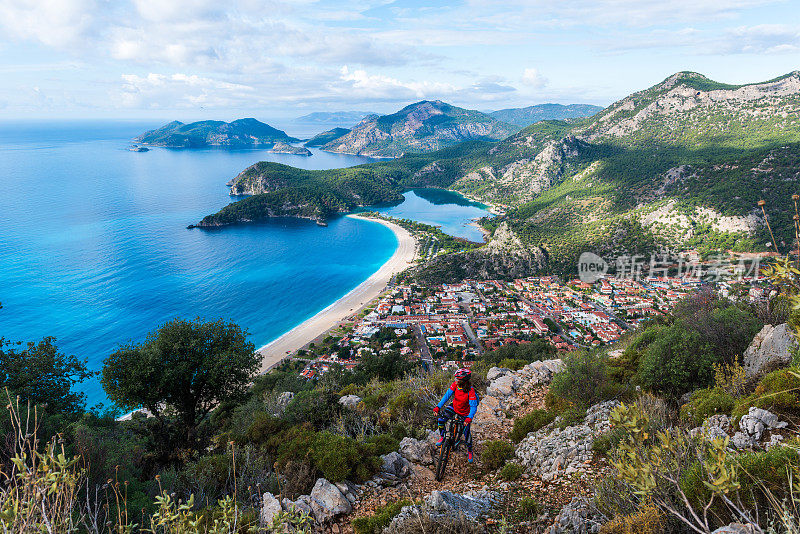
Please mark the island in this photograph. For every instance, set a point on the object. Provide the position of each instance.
(285, 148)
(136, 148)
(241, 133)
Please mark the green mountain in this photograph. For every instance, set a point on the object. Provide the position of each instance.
(421, 127)
(544, 112)
(237, 134)
(683, 163)
(327, 136)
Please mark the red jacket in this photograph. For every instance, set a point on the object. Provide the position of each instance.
(465, 403)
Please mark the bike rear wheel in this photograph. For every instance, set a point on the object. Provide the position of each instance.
(444, 455)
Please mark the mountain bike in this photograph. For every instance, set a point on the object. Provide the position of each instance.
(453, 436)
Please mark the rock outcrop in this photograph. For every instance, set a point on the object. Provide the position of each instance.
(770, 349)
(578, 517)
(444, 505)
(552, 452)
(349, 401)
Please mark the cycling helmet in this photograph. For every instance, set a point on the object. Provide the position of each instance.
(463, 373)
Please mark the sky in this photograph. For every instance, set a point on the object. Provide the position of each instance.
(225, 59)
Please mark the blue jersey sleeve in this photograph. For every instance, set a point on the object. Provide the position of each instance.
(473, 407)
(447, 395)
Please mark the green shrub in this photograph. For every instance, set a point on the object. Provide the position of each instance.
(530, 423)
(778, 391)
(340, 458)
(571, 417)
(607, 441)
(582, 382)
(495, 453)
(761, 474)
(511, 471)
(263, 427)
(677, 361)
(528, 508)
(375, 524)
(336, 457)
(315, 407)
(383, 443)
(705, 403)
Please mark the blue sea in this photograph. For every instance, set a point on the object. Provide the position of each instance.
(94, 248)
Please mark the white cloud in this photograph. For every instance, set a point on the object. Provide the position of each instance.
(57, 23)
(378, 87)
(533, 78)
(180, 91)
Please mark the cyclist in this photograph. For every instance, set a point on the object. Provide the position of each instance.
(465, 404)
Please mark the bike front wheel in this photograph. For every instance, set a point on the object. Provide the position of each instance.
(444, 455)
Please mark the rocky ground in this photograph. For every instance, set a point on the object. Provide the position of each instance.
(560, 467)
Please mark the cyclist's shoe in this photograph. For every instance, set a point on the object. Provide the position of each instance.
(469, 456)
(439, 443)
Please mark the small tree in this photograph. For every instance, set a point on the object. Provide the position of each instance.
(186, 366)
(41, 375)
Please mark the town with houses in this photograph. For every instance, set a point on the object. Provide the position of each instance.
(453, 324)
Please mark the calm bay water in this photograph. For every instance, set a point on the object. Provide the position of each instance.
(94, 249)
(439, 207)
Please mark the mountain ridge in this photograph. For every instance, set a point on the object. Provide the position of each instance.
(681, 164)
(539, 112)
(420, 127)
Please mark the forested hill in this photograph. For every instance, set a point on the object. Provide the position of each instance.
(682, 163)
(544, 112)
(236, 134)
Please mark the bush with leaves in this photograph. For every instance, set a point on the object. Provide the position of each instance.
(778, 391)
(374, 524)
(495, 453)
(705, 403)
(582, 382)
(530, 423)
(511, 471)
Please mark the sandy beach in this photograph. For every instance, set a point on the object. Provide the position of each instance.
(298, 337)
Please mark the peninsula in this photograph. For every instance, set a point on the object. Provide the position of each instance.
(284, 148)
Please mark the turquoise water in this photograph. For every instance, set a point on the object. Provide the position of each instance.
(446, 209)
(94, 248)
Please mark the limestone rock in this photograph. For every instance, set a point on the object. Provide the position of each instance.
(394, 464)
(284, 399)
(578, 517)
(327, 501)
(496, 372)
(471, 504)
(349, 401)
(445, 504)
(270, 506)
(757, 421)
(737, 528)
(418, 451)
(504, 386)
(490, 411)
(769, 350)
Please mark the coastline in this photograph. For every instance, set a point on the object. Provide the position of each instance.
(317, 326)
